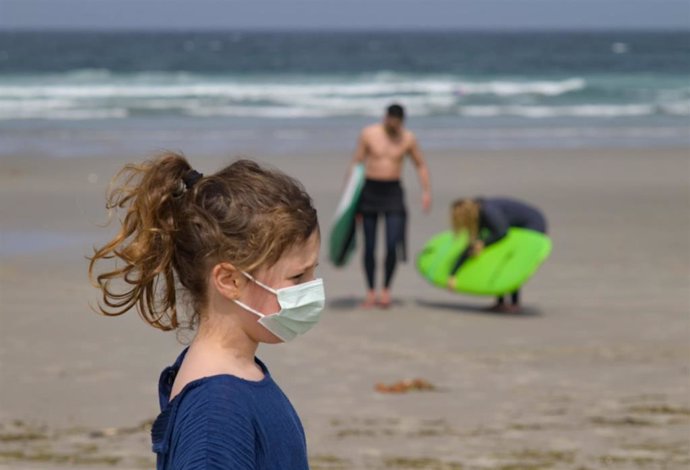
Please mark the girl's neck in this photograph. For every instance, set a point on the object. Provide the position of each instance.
(219, 334)
(219, 347)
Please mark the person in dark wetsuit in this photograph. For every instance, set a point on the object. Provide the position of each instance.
(487, 220)
(386, 198)
(382, 149)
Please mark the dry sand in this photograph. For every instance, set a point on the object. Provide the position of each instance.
(595, 374)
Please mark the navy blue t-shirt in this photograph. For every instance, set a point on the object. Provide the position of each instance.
(225, 422)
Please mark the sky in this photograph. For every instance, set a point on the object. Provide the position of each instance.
(345, 14)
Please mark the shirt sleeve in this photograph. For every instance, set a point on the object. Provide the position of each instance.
(215, 433)
(461, 260)
(494, 220)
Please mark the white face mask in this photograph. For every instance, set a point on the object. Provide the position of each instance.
(300, 308)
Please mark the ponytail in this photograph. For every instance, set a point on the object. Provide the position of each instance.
(149, 194)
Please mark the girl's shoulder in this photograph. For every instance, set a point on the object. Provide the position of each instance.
(218, 390)
(207, 381)
(211, 416)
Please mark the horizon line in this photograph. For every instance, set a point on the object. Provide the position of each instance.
(367, 29)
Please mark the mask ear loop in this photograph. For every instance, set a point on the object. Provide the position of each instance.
(249, 309)
(261, 284)
(253, 279)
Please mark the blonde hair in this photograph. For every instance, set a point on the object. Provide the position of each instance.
(464, 215)
(174, 232)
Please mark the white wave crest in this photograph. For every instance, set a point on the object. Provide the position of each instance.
(506, 88)
(589, 110)
(680, 108)
(280, 90)
(98, 94)
(65, 114)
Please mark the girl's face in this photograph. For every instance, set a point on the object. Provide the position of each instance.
(296, 266)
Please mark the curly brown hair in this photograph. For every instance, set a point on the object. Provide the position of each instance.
(464, 215)
(171, 235)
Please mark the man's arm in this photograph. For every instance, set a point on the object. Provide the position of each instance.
(422, 172)
(360, 154)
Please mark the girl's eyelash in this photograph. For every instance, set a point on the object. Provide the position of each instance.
(294, 278)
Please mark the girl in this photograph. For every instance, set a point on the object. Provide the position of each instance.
(488, 221)
(241, 245)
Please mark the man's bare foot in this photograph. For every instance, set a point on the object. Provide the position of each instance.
(515, 308)
(504, 308)
(498, 308)
(385, 300)
(369, 300)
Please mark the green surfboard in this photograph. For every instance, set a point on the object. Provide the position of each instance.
(499, 269)
(342, 236)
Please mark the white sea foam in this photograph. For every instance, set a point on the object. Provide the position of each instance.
(589, 110)
(507, 88)
(280, 89)
(96, 93)
(680, 108)
(65, 114)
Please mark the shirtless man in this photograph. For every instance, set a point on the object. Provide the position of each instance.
(382, 148)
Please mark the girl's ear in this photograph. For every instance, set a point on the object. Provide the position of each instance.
(228, 280)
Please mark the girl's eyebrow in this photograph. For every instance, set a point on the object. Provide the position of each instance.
(305, 269)
(315, 264)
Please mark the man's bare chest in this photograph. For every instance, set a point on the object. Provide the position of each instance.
(387, 149)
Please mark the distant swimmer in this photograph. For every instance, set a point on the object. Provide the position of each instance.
(487, 221)
(382, 148)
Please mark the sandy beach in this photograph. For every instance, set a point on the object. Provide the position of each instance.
(594, 375)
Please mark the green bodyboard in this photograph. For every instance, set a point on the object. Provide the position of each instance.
(343, 229)
(499, 269)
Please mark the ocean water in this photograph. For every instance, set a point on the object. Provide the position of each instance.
(91, 93)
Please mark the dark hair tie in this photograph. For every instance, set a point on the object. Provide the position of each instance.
(186, 183)
(191, 178)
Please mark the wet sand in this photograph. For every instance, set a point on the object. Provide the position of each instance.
(595, 374)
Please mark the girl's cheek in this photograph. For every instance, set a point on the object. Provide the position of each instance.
(267, 301)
